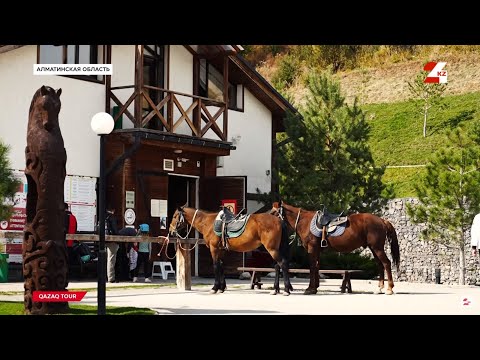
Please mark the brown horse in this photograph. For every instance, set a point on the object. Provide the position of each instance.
(261, 229)
(362, 230)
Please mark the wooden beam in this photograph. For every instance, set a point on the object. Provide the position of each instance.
(211, 122)
(121, 159)
(138, 84)
(123, 109)
(266, 90)
(185, 115)
(187, 147)
(196, 90)
(108, 78)
(11, 235)
(225, 97)
(155, 111)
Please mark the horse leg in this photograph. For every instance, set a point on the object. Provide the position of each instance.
(216, 272)
(276, 283)
(314, 277)
(221, 278)
(286, 277)
(217, 268)
(381, 272)
(387, 265)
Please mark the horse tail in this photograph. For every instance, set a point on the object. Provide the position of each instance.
(283, 249)
(392, 238)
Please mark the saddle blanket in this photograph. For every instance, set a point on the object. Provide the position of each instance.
(235, 228)
(335, 230)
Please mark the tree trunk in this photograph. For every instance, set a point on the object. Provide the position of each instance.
(425, 114)
(461, 277)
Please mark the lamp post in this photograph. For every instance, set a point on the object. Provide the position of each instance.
(102, 124)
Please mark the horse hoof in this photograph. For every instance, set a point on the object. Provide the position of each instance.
(389, 292)
(310, 292)
(286, 293)
(273, 292)
(212, 291)
(378, 291)
(220, 291)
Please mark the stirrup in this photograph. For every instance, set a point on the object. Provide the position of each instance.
(323, 243)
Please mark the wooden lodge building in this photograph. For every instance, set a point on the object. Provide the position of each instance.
(194, 124)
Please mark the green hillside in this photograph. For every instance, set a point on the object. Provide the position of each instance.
(396, 135)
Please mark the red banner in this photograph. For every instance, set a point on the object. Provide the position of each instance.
(58, 296)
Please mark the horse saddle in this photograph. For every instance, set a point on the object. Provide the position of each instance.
(326, 218)
(325, 223)
(229, 225)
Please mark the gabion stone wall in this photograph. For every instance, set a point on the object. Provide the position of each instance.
(418, 258)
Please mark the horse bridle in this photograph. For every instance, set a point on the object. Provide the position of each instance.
(182, 220)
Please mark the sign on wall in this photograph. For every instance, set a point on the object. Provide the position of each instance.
(79, 193)
(130, 199)
(230, 205)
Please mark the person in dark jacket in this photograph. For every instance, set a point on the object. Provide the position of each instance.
(122, 267)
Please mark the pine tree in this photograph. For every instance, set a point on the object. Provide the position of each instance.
(448, 194)
(8, 184)
(327, 160)
(428, 95)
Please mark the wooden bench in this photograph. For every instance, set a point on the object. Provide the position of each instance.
(256, 277)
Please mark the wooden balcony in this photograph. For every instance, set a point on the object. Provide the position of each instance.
(196, 111)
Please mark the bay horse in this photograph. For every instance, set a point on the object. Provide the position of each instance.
(261, 229)
(362, 230)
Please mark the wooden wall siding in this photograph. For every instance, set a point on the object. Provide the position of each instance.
(214, 190)
(209, 167)
(151, 158)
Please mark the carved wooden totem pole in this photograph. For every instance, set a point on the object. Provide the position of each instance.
(45, 263)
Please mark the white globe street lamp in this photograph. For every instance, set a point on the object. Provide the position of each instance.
(102, 124)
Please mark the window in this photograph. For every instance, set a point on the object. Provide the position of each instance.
(72, 54)
(211, 86)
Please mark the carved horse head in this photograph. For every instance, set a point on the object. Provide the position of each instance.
(44, 108)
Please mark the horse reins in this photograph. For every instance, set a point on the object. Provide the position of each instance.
(296, 221)
(182, 219)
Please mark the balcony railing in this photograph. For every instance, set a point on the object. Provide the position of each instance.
(196, 111)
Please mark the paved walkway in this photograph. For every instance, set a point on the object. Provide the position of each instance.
(163, 297)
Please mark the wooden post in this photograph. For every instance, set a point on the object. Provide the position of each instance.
(108, 79)
(197, 112)
(138, 85)
(184, 267)
(225, 98)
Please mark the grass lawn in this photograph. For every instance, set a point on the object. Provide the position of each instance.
(17, 308)
(396, 136)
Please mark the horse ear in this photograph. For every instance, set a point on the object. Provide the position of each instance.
(179, 208)
(43, 90)
(59, 92)
(279, 202)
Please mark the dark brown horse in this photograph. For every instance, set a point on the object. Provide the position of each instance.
(362, 230)
(261, 229)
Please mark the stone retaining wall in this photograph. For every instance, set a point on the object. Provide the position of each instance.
(418, 258)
